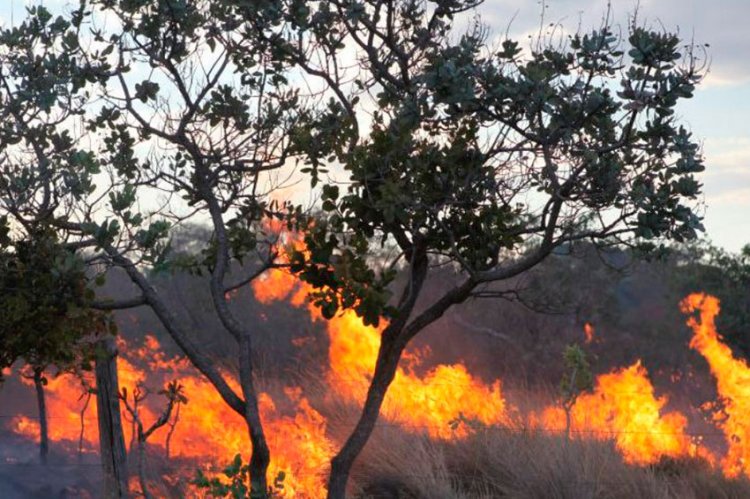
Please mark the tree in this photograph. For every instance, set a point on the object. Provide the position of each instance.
(45, 315)
(486, 159)
(576, 380)
(175, 396)
(479, 158)
(116, 132)
(111, 438)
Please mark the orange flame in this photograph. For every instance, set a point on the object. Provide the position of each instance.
(588, 332)
(207, 430)
(732, 381)
(623, 407)
(431, 403)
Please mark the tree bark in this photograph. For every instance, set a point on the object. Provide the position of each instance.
(393, 341)
(42, 405)
(261, 454)
(248, 409)
(111, 440)
(142, 469)
(341, 465)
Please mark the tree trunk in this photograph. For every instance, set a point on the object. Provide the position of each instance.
(83, 425)
(42, 405)
(142, 469)
(172, 427)
(111, 440)
(261, 455)
(341, 465)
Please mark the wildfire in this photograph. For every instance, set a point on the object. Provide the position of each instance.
(64, 420)
(431, 403)
(207, 431)
(732, 381)
(623, 407)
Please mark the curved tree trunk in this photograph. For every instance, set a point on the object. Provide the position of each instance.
(247, 408)
(111, 440)
(261, 455)
(42, 405)
(341, 465)
(393, 341)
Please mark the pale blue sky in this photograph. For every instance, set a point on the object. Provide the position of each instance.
(718, 114)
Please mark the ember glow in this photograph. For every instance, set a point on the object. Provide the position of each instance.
(588, 332)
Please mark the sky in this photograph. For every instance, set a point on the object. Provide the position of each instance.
(718, 114)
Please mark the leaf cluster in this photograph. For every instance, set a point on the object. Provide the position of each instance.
(45, 314)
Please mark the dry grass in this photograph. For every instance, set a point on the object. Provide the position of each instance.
(510, 463)
(515, 464)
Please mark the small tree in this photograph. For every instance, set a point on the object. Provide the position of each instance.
(238, 483)
(124, 119)
(45, 315)
(175, 396)
(576, 380)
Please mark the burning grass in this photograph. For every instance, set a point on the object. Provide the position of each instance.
(444, 432)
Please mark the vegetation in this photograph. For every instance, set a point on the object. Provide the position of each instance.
(524, 464)
(175, 396)
(480, 160)
(46, 319)
(238, 483)
(45, 314)
(486, 160)
(576, 380)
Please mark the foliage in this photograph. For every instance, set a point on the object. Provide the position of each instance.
(477, 156)
(238, 484)
(45, 317)
(483, 159)
(577, 377)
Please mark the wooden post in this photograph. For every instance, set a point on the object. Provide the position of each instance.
(111, 440)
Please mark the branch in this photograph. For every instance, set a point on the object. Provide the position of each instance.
(250, 278)
(169, 320)
(136, 301)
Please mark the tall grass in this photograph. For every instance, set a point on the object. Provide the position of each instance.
(525, 464)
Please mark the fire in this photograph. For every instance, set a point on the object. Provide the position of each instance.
(65, 399)
(207, 431)
(299, 446)
(732, 381)
(588, 332)
(432, 402)
(623, 406)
